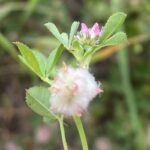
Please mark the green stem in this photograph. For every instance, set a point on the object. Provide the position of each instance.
(80, 128)
(63, 133)
(47, 80)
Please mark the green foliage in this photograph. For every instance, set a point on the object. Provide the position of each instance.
(29, 58)
(113, 24)
(81, 51)
(63, 38)
(38, 99)
(78, 50)
(37, 62)
(53, 29)
(53, 58)
(41, 60)
(117, 38)
(74, 28)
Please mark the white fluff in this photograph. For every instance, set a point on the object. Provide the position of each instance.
(72, 90)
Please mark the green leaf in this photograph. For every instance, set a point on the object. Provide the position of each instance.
(38, 99)
(73, 30)
(65, 38)
(112, 25)
(53, 29)
(25, 62)
(118, 38)
(48, 120)
(41, 60)
(53, 58)
(29, 59)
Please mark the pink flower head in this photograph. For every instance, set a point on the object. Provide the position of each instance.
(91, 32)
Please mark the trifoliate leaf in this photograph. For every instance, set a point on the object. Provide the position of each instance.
(113, 24)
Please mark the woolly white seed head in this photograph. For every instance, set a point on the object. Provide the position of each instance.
(72, 90)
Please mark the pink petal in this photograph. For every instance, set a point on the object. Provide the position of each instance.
(84, 28)
(96, 29)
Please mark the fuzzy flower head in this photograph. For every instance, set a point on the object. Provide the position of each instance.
(89, 35)
(72, 91)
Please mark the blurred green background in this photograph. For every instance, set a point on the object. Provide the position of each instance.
(117, 120)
